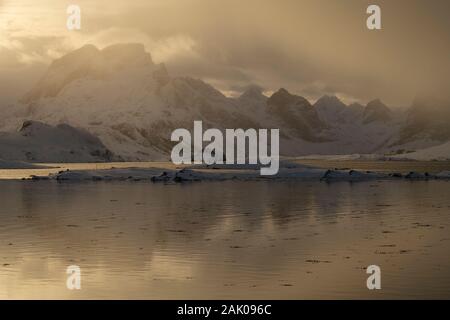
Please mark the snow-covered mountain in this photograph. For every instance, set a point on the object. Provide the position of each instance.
(377, 111)
(296, 117)
(332, 110)
(122, 97)
(428, 118)
(132, 105)
(39, 142)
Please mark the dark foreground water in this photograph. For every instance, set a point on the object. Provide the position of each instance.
(227, 240)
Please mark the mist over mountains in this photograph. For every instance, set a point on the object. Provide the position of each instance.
(118, 104)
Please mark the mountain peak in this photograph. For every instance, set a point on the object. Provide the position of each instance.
(123, 54)
(329, 101)
(252, 92)
(90, 62)
(281, 91)
(376, 110)
(297, 113)
(376, 104)
(283, 98)
(330, 109)
(79, 56)
(329, 98)
(87, 49)
(30, 127)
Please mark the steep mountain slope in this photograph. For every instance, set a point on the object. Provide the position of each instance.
(297, 116)
(38, 142)
(331, 109)
(428, 118)
(355, 128)
(376, 111)
(253, 101)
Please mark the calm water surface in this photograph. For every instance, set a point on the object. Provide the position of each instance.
(231, 240)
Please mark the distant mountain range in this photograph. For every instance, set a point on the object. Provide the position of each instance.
(116, 103)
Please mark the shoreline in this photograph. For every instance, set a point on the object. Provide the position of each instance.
(290, 169)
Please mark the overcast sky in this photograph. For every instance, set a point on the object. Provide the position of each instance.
(310, 47)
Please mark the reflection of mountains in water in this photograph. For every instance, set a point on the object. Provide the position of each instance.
(217, 239)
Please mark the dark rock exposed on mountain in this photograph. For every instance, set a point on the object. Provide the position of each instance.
(376, 111)
(428, 118)
(39, 142)
(297, 114)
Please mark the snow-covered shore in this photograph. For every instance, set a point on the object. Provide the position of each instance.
(436, 153)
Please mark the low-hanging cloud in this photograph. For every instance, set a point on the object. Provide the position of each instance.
(311, 47)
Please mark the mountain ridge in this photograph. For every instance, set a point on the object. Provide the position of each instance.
(132, 105)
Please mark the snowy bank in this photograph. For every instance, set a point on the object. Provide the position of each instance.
(439, 153)
(288, 171)
(191, 173)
